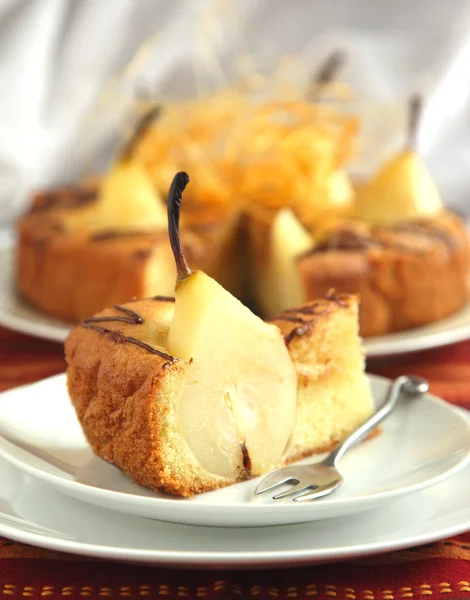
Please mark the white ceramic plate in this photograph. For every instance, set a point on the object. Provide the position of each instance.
(34, 513)
(422, 443)
(19, 315)
(450, 330)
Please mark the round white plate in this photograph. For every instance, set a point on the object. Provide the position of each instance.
(17, 314)
(450, 330)
(423, 442)
(34, 513)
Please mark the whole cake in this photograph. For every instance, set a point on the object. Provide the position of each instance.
(273, 218)
(194, 393)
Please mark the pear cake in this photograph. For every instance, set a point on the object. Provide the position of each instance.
(193, 393)
(82, 248)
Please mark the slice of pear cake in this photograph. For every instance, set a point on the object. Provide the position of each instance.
(187, 403)
(194, 393)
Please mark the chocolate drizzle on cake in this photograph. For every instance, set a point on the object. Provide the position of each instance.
(392, 237)
(163, 298)
(425, 229)
(113, 234)
(346, 240)
(66, 197)
(290, 319)
(132, 318)
(341, 300)
(305, 315)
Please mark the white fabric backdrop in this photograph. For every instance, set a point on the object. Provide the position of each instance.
(56, 55)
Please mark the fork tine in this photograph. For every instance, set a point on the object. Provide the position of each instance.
(315, 493)
(272, 481)
(298, 488)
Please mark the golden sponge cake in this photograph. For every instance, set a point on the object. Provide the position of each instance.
(128, 390)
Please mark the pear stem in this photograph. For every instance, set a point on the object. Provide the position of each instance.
(139, 130)
(180, 181)
(415, 110)
(326, 73)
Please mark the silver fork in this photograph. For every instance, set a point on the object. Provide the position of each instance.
(308, 482)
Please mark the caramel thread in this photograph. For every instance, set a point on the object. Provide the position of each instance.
(163, 298)
(66, 197)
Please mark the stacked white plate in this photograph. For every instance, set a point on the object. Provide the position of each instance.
(407, 486)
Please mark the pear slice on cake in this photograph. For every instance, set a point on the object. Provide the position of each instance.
(403, 188)
(127, 197)
(239, 365)
(275, 246)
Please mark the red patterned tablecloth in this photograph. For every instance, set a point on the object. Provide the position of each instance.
(440, 570)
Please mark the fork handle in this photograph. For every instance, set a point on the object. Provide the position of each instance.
(409, 384)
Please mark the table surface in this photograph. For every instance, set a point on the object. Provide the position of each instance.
(441, 569)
